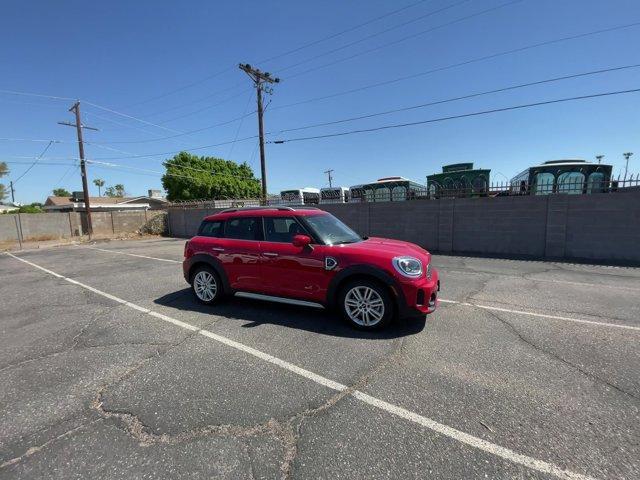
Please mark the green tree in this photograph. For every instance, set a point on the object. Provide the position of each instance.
(98, 182)
(189, 177)
(61, 192)
(115, 191)
(3, 171)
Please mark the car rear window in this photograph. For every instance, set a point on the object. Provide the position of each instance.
(211, 229)
(243, 228)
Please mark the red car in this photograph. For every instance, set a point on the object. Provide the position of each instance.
(308, 257)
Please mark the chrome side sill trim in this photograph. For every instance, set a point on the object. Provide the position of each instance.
(269, 298)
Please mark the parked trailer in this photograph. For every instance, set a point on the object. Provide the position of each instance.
(334, 195)
(387, 189)
(301, 196)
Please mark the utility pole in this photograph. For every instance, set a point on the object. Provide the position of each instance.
(259, 79)
(626, 166)
(599, 158)
(329, 172)
(83, 168)
(13, 200)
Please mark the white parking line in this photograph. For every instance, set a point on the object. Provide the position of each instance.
(134, 255)
(468, 304)
(445, 430)
(540, 315)
(543, 280)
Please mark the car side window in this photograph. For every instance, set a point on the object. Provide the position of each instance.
(211, 229)
(281, 229)
(243, 228)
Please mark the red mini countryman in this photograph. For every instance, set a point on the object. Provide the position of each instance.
(308, 257)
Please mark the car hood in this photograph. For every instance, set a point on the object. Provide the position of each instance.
(387, 247)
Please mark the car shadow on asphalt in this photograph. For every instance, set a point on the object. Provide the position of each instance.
(255, 313)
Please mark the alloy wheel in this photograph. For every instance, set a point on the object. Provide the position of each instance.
(205, 286)
(364, 306)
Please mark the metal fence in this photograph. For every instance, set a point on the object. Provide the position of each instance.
(496, 189)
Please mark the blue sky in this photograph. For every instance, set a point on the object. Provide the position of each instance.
(122, 54)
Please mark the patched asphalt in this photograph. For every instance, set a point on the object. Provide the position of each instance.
(92, 388)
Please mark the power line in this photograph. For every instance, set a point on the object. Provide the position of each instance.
(453, 117)
(115, 112)
(178, 151)
(179, 167)
(463, 97)
(109, 164)
(29, 94)
(239, 127)
(334, 35)
(184, 87)
(197, 101)
(208, 107)
(289, 52)
(373, 35)
(409, 37)
(35, 140)
(67, 172)
(460, 64)
(220, 124)
(51, 142)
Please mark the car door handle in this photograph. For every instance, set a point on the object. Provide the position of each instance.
(270, 254)
(217, 249)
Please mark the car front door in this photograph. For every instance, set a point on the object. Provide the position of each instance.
(290, 271)
(239, 252)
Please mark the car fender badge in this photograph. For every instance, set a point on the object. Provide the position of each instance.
(330, 263)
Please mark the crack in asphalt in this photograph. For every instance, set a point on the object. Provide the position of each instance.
(286, 431)
(74, 342)
(557, 357)
(33, 450)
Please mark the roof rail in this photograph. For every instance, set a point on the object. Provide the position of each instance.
(272, 207)
(236, 209)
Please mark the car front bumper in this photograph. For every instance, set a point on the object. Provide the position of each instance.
(419, 297)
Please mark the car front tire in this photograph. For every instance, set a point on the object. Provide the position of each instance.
(366, 305)
(206, 285)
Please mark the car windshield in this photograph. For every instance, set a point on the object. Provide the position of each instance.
(331, 231)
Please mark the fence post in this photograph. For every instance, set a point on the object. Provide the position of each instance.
(113, 227)
(18, 233)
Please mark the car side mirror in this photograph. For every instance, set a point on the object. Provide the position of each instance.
(301, 240)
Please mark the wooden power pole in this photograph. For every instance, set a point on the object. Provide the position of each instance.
(329, 173)
(259, 79)
(83, 168)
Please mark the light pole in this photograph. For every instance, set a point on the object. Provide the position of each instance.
(626, 165)
(599, 158)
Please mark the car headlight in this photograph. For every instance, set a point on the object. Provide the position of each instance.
(408, 266)
(429, 271)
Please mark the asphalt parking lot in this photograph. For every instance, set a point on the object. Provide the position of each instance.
(109, 369)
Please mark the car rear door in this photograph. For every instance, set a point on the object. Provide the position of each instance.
(290, 271)
(239, 252)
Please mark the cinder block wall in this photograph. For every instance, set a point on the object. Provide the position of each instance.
(48, 226)
(44, 226)
(599, 227)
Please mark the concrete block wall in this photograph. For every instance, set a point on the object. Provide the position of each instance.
(54, 225)
(8, 228)
(43, 226)
(501, 226)
(603, 227)
(599, 227)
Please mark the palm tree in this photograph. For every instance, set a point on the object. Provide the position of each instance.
(98, 182)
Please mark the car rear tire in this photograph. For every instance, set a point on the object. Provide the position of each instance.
(206, 285)
(366, 304)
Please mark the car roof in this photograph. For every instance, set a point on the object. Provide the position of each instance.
(265, 212)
